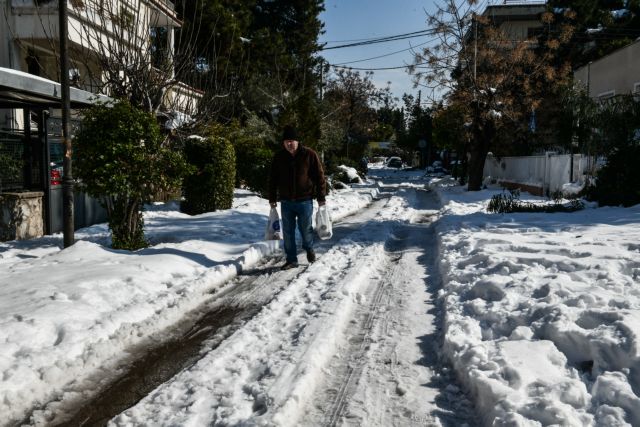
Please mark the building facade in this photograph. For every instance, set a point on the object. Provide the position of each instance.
(111, 44)
(615, 74)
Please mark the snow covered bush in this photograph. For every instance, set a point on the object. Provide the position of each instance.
(121, 158)
(210, 185)
(508, 203)
(348, 175)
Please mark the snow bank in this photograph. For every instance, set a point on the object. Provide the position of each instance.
(542, 311)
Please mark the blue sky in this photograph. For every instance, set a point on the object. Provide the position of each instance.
(348, 20)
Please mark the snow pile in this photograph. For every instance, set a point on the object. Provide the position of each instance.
(351, 174)
(543, 311)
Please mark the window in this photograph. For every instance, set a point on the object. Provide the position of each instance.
(126, 17)
(33, 63)
(159, 44)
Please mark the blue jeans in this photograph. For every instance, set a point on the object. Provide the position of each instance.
(303, 211)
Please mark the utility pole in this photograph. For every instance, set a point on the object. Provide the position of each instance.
(67, 178)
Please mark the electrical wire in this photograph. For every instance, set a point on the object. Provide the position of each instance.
(364, 39)
(385, 55)
(376, 69)
(385, 39)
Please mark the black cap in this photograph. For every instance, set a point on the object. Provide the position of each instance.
(289, 133)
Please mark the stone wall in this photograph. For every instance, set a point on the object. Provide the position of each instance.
(21, 215)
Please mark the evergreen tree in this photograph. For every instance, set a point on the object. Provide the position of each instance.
(260, 57)
(602, 26)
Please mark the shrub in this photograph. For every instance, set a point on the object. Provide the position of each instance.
(10, 169)
(618, 182)
(253, 160)
(333, 163)
(121, 158)
(508, 203)
(210, 186)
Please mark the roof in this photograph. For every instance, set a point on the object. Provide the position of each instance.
(19, 89)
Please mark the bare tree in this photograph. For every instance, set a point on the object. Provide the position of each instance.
(349, 102)
(494, 78)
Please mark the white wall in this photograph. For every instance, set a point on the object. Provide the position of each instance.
(549, 172)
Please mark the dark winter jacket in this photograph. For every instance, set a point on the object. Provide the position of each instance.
(298, 177)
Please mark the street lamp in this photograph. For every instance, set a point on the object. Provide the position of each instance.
(67, 178)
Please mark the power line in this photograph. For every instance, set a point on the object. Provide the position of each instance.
(385, 39)
(377, 69)
(383, 56)
(363, 39)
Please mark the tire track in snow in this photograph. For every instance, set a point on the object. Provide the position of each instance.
(357, 354)
(255, 370)
(390, 372)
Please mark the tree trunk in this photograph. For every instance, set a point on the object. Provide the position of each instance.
(126, 224)
(483, 133)
(476, 168)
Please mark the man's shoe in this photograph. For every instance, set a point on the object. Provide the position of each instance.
(311, 256)
(289, 265)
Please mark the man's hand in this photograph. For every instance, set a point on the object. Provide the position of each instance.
(322, 203)
(273, 205)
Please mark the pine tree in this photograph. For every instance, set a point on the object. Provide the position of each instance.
(602, 26)
(261, 57)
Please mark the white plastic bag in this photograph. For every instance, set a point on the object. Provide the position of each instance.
(323, 223)
(274, 230)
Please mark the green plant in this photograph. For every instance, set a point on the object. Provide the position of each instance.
(10, 169)
(253, 160)
(502, 203)
(618, 137)
(210, 185)
(339, 175)
(253, 148)
(508, 203)
(121, 158)
(618, 182)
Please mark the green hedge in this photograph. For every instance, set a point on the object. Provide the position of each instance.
(253, 161)
(210, 187)
(618, 182)
(121, 158)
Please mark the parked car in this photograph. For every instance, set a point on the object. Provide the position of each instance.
(394, 162)
(56, 175)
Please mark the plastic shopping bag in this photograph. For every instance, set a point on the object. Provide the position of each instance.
(323, 223)
(273, 231)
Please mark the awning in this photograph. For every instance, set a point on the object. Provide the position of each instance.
(22, 90)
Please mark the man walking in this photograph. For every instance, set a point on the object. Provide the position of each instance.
(296, 179)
